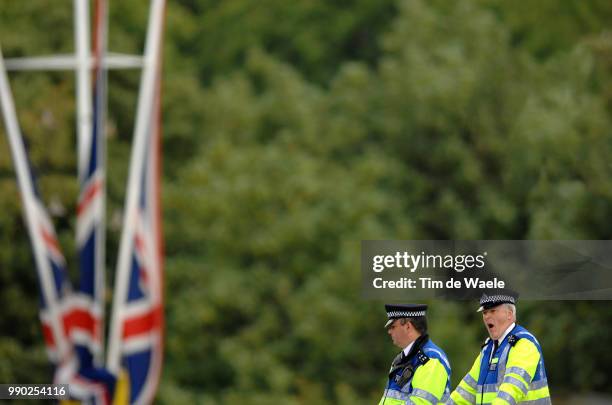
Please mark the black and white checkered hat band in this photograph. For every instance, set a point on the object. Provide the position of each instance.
(496, 298)
(405, 314)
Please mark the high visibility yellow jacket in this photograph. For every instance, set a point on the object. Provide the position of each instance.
(422, 377)
(514, 374)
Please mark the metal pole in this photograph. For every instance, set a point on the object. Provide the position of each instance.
(70, 62)
(101, 82)
(84, 116)
(141, 137)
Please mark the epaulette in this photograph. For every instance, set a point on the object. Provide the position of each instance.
(485, 342)
(512, 339)
(422, 358)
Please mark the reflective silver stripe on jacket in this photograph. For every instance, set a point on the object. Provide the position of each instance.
(541, 401)
(395, 394)
(487, 388)
(469, 380)
(536, 385)
(507, 397)
(516, 382)
(521, 372)
(466, 395)
(417, 392)
(501, 364)
(446, 395)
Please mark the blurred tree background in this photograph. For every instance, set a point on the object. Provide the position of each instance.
(294, 130)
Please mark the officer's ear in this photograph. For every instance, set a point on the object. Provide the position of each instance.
(509, 313)
(408, 324)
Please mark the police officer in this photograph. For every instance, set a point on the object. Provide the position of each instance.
(420, 373)
(510, 367)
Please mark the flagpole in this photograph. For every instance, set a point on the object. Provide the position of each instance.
(84, 115)
(141, 137)
(29, 201)
(85, 147)
(100, 281)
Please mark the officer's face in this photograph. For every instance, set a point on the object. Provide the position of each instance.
(497, 320)
(400, 334)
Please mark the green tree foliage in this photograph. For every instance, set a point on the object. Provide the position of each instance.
(294, 131)
(316, 36)
(549, 27)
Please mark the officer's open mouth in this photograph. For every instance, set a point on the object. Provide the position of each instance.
(490, 325)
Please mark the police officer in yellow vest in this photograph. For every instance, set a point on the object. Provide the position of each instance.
(420, 373)
(510, 366)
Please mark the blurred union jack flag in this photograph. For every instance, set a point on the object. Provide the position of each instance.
(62, 315)
(89, 381)
(55, 288)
